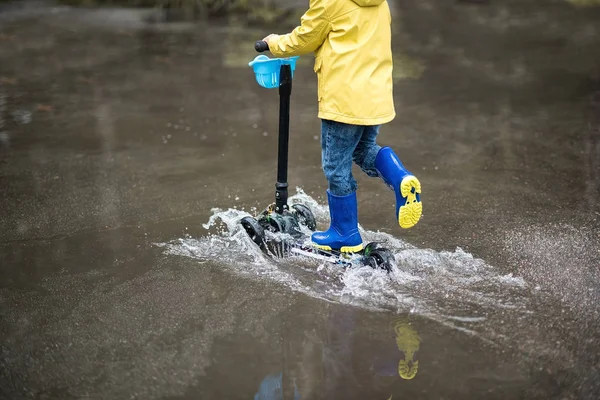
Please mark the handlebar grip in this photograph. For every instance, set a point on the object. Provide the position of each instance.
(261, 46)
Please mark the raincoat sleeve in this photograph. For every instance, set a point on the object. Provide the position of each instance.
(306, 38)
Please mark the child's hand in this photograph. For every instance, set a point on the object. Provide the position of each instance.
(271, 36)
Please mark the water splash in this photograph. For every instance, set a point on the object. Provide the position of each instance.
(454, 287)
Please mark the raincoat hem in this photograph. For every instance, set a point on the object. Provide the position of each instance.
(348, 119)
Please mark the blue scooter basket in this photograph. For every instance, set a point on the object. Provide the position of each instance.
(266, 70)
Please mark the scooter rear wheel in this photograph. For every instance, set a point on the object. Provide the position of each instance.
(380, 258)
(305, 216)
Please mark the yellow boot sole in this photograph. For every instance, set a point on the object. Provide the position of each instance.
(344, 249)
(410, 213)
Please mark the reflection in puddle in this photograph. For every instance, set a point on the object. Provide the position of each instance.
(408, 341)
(344, 354)
(271, 388)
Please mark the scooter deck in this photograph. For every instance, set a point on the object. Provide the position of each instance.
(333, 256)
(280, 236)
(303, 247)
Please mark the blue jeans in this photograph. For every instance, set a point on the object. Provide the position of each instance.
(340, 145)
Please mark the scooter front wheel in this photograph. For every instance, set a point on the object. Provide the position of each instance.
(255, 231)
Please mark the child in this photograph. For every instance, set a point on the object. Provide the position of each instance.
(351, 40)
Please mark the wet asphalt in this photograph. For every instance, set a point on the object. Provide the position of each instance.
(116, 134)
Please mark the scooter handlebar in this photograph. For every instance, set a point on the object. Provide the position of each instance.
(261, 46)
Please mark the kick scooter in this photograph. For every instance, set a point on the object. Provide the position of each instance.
(278, 217)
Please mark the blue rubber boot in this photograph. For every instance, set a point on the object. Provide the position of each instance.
(406, 186)
(343, 232)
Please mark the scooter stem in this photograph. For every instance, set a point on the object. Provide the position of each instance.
(285, 92)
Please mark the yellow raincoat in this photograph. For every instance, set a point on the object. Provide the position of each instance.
(351, 40)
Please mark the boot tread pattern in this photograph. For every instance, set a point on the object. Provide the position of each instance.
(410, 213)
